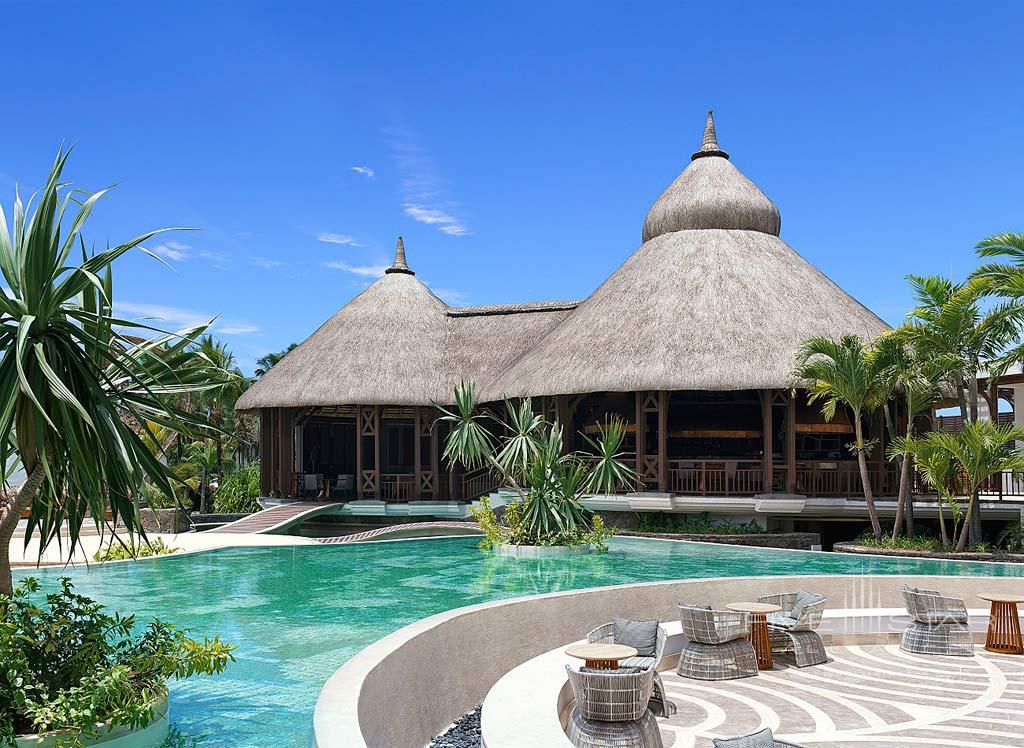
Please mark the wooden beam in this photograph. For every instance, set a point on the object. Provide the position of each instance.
(359, 452)
(564, 418)
(266, 486)
(434, 462)
(416, 439)
(376, 450)
(791, 442)
(766, 434)
(662, 440)
(641, 420)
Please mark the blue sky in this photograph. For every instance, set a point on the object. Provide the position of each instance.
(517, 147)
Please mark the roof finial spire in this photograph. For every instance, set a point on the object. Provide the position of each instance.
(709, 144)
(400, 265)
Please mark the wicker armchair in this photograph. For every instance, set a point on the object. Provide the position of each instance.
(796, 635)
(757, 740)
(660, 705)
(717, 648)
(940, 625)
(611, 709)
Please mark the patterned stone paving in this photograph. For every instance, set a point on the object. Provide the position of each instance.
(864, 696)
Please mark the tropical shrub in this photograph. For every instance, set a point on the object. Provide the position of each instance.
(115, 551)
(528, 457)
(1012, 537)
(516, 531)
(69, 665)
(702, 524)
(238, 492)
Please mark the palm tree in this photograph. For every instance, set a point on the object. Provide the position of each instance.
(267, 362)
(949, 327)
(915, 380)
(938, 469)
(218, 400)
(844, 373)
(75, 390)
(978, 451)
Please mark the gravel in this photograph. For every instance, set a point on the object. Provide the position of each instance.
(465, 733)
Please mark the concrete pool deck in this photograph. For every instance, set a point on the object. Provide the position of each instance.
(187, 542)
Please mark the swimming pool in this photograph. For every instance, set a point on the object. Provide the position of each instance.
(297, 613)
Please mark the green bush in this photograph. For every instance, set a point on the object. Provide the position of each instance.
(702, 524)
(115, 551)
(68, 665)
(514, 529)
(238, 492)
(1012, 538)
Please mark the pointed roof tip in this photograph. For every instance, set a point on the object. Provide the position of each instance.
(709, 143)
(400, 265)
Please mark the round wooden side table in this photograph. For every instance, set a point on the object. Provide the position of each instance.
(601, 656)
(758, 629)
(1004, 625)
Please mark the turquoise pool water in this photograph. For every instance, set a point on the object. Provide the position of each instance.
(297, 613)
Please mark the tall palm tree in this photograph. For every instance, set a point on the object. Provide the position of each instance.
(267, 362)
(915, 381)
(845, 373)
(218, 400)
(76, 390)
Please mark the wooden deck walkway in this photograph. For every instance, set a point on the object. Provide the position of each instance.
(279, 518)
(382, 532)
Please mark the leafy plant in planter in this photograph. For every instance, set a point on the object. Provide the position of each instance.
(69, 666)
(238, 492)
(527, 456)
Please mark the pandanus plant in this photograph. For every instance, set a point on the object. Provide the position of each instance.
(526, 452)
(78, 393)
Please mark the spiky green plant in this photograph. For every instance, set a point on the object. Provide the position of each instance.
(77, 390)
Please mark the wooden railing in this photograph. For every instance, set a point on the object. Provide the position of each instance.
(746, 478)
(478, 482)
(397, 486)
(715, 477)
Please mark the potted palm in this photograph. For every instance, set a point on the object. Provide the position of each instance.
(525, 451)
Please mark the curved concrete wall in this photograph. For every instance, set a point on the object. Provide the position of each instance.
(406, 688)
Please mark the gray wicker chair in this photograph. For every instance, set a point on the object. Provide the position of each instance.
(797, 635)
(762, 739)
(940, 625)
(717, 648)
(611, 709)
(660, 705)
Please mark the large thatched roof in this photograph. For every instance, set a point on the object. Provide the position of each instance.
(712, 300)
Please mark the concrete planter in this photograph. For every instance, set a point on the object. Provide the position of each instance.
(867, 550)
(111, 736)
(541, 551)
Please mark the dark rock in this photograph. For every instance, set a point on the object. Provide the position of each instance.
(465, 733)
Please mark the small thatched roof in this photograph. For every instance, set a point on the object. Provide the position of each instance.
(386, 346)
(712, 300)
(711, 193)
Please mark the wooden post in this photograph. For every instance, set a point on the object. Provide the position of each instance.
(791, 442)
(359, 451)
(663, 441)
(640, 432)
(766, 439)
(376, 450)
(416, 451)
(434, 463)
(266, 450)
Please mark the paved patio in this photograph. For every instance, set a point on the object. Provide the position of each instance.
(873, 695)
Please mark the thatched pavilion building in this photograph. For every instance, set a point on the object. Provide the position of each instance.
(692, 340)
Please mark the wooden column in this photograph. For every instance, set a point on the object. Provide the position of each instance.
(369, 426)
(266, 452)
(359, 452)
(416, 439)
(640, 433)
(435, 485)
(766, 438)
(791, 442)
(663, 440)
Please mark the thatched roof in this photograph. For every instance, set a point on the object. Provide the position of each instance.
(384, 346)
(712, 300)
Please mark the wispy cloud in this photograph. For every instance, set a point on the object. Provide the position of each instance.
(176, 318)
(180, 252)
(329, 238)
(446, 222)
(368, 271)
(265, 262)
(450, 296)
(366, 171)
(424, 193)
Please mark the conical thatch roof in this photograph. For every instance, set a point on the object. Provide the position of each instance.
(386, 346)
(713, 300)
(711, 193)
